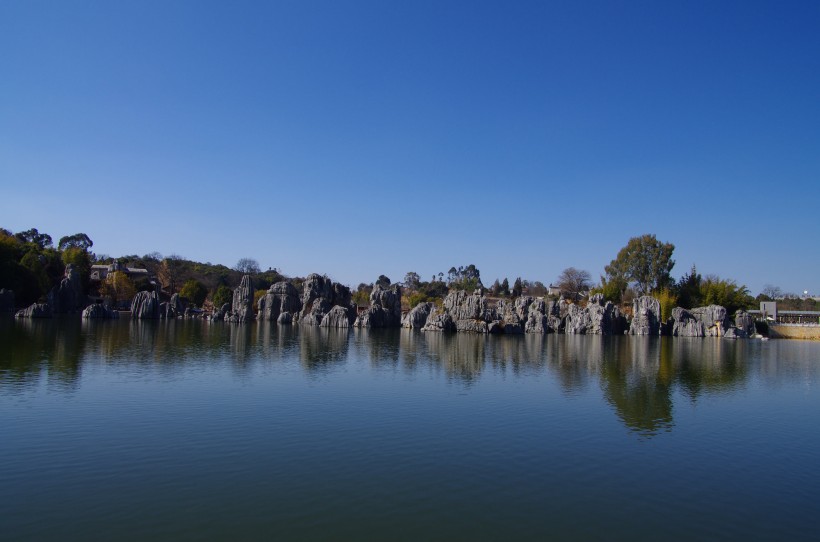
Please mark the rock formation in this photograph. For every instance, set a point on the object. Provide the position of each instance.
(221, 312)
(685, 324)
(439, 320)
(417, 317)
(281, 298)
(646, 316)
(67, 297)
(604, 317)
(338, 317)
(145, 306)
(745, 321)
(319, 296)
(537, 317)
(35, 310)
(6, 300)
(98, 311)
(577, 320)
(384, 310)
(242, 306)
(713, 318)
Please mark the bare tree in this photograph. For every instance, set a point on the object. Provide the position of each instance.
(247, 266)
(573, 282)
(771, 291)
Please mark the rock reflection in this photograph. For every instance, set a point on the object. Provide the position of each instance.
(461, 355)
(322, 347)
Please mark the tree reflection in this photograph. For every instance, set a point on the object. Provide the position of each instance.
(635, 382)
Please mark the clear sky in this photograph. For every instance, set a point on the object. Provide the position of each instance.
(367, 138)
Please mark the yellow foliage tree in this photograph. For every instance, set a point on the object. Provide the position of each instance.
(118, 287)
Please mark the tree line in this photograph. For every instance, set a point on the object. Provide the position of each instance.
(31, 265)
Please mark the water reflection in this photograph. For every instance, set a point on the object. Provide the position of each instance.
(637, 376)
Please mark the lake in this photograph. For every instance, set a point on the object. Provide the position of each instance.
(189, 430)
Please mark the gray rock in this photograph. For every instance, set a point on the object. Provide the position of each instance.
(463, 306)
(537, 317)
(713, 318)
(439, 320)
(281, 297)
(6, 300)
(67, 297)
(221, 312)
(242, 306)
(384, 310)
(604, 318)
(98, 311)
(556, 313)
(684, 324)
(746, 322)
(145, 306)
(338, 317)
(472, 326)
(319, 296)
(284, 319)
(577, 321)
(417, 317)
(735, 333)
(646, 319)
(35, 310)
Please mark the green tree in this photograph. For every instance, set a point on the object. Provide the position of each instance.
(412, 280)
(222, 295)
(518, 288)
(41, 240)
(195, 292)
(78, 240)
(505, 287)
(644, 262)
(688, 289)
(717, 291)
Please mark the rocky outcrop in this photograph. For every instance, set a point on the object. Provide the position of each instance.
(145, 306)
(384, 310)
(417, 317)
(735, 333)
(221, 312)
(646, 316)
(439, 320)
(282, 297)
(35, 310)
(745, 322)
(319, 296)
(285, 319)
(604, 317)
(537, 318)
(98, 311)
(713, 318)
(577, 320)
(67, 297)
(338, 317)
(556, 313)
(6, 300)
(242, 306)
(685, 324)
(172, 309)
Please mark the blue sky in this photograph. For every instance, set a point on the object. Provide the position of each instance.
(361, 138)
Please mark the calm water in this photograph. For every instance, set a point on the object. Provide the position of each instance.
(191, 431)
